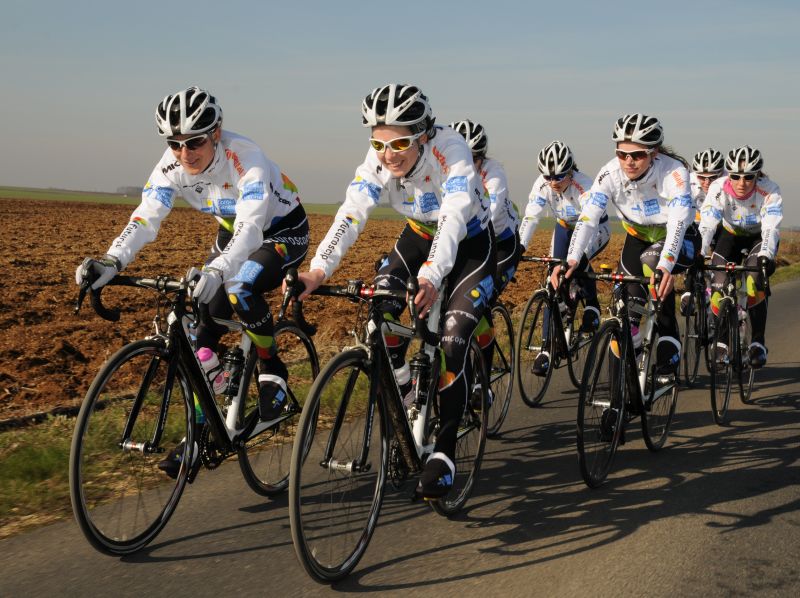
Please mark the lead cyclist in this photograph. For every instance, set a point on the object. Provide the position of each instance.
(426, 173)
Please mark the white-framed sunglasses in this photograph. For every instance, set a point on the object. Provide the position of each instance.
(191, 144)
(398, 144)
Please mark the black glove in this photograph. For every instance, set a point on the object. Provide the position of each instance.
(767, 265)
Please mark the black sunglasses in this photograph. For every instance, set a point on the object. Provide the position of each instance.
(746, 177)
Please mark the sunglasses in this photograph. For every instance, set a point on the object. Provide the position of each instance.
(746, 177)
(191, 144)
(707, 177)
(555, 178)
(398, 144)
(635, 155)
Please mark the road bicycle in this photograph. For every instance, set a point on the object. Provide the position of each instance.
(152, 398)
(548, 325)
(733, 330)
(356, 431)
(501, 372)
(620, 383)
(698, 327)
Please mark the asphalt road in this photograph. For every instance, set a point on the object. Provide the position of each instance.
(714, 514)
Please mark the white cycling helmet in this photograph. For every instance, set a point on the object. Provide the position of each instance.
(397, 104)
(474, 134)
(638, 128)
(744, 160)
(555, 159)
(192, 110)
(708, 161)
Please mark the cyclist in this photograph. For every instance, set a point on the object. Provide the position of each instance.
(263, 229)
(427, 174)
(505, 218)
(563, 187)
(707, 166)
(749, 205)
(649, 187)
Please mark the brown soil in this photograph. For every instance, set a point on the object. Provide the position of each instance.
(49, 355)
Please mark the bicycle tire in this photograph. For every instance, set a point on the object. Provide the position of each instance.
(120, 498)
(746, 373)
(656, 414)
(333, 510)
(601, 407)
(722, 373)
(692, 346)
(501, 376)
(578, 343)
(529, 344)
(471, 439)
(265, 458)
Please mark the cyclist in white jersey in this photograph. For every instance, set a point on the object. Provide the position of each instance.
(263, 230)
(563, 187)
(505, 218)
(649, 187)
(750, 208)
(426, 173)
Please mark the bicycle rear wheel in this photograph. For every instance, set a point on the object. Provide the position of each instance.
(601, 408)
(692, 344)
(335, 499)
(138, 409)
(658, 406)
(578, 343)
(746, 374)
(533, 330)
(265, 458)
(471, 439)
(722, 369)
(501, 376)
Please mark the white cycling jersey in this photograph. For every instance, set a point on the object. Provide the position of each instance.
(656, 207)
(759, 212)
(241, 188)
(443, 199)
(566, 207)
(505, 218)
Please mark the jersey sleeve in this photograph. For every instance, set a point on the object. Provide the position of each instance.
(710, 216)
(497, 186)
(158, 197)
(680, 215)
(533, 212)
(771, 217)
(594, 205)
(363, 194)
(461, 190)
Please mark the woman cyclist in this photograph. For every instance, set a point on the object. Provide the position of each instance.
(749, 206)
(562, 187)
(263, 229)
(707, 166)
(427, 174)
(649, 187)
(505, 218)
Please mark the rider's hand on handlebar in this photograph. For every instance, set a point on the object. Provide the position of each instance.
(425, 297)
(311, 279)
(97, 272)
(554, 275)
(209, 280)
(667, 283)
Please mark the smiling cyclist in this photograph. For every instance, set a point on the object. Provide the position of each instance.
(262, 232)
(426, 173)
(649, 187)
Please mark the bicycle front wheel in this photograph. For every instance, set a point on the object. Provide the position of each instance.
(578, 343)
(338, 468)
(721, 365)
(536, 336)
(746, 374)
(658, 403)
(138, 410)
(471, 438)
(601, 408)
(501, 376)
(266, 456)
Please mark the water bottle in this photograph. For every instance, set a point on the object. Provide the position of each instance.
(213, 369)
(232, 364)
(420, 366)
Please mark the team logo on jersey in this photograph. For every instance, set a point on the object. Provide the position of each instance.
(226, 186)
(428, 202)
(254, 190)
(651, 207)
(288, 184)
(441, 159)
(234, 157)
(350, 220)
(669, 257)
(280, 249)
(226, 206)
(455, 184)
(140, 221)
(373, 190)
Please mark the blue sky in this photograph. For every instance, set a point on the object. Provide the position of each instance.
(81, 80)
